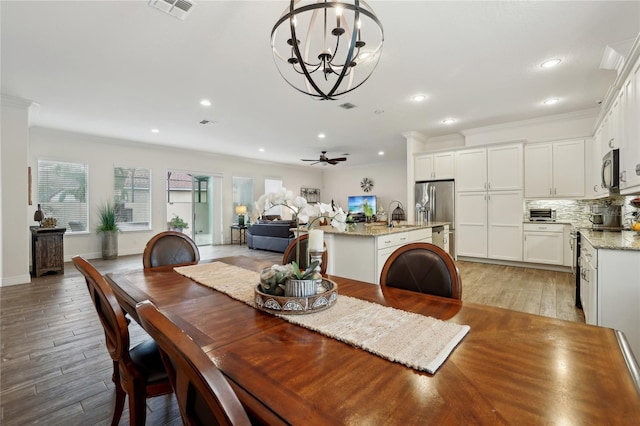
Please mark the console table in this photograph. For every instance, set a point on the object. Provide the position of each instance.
(47, 250)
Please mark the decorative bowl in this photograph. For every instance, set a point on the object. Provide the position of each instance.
(298, 305)
(635, 203)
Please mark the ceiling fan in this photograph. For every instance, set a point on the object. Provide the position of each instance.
(324, 159)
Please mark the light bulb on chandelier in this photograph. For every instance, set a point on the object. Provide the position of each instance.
(327, 61)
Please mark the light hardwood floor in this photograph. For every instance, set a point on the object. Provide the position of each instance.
(55, 370)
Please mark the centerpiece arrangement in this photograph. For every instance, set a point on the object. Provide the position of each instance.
(287, 288)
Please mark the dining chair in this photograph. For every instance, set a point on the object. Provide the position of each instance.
(137, 372)
(290, 254)
(422, 267)
(170, 248)
(204, 395)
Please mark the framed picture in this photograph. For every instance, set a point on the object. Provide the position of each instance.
(312, 195)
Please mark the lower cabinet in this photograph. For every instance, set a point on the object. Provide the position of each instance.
(361, 257)
(544, 243)
(610, 290)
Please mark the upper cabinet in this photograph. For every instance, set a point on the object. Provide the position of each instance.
(498, 168)
(435, 166)
(554, 170)
(630, 128)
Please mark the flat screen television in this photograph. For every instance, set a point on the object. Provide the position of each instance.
(357, 202)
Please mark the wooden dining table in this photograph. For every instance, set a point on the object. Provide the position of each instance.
(511, 368)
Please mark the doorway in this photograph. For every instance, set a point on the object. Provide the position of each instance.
(197, 199)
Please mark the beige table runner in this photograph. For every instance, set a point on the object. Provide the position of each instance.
(414, 340)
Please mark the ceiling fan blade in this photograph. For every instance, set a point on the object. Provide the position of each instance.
(338, 159)
(332, 162)
(303, 159)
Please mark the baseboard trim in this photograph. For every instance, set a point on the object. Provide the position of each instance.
(557, 268)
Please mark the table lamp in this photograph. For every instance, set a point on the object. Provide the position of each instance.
(241, 211)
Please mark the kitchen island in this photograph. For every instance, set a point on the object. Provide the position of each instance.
(610, 281)
(360, 252)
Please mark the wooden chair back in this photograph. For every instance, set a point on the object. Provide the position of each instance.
(138, 372)
(290, 254)
(424, 268)
(203, 393)
(170, 248)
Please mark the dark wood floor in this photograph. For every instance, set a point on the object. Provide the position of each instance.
(55, 370)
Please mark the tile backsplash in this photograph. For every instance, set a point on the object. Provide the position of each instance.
(577, 211)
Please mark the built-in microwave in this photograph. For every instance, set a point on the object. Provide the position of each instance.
(611, 170)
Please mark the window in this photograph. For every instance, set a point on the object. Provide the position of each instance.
(132, 198)
(62, 193)
(242, 195)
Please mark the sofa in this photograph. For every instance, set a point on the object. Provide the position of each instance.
(274, 235)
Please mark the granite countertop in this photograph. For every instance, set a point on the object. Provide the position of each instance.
(622, 240)
(374, 230)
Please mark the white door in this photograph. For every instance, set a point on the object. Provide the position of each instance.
(568, 169)
(471, 170)
(538, 170)
(504, 168)
(505, 225)
(471, 224)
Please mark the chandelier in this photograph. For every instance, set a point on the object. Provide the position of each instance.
(329, 47)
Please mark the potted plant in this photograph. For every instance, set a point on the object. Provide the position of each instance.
(108, 228)
(177, 224)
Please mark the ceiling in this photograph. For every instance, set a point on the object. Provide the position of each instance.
(120, 68)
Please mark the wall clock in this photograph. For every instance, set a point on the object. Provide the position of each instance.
(366, 184)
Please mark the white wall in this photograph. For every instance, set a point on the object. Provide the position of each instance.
(14, 208)
(101, 154)
(389, 183)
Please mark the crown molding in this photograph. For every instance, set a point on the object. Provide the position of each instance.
(15, 102)
(587, 113)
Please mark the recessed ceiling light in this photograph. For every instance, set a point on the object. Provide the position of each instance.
(418, 98)
(550, 63)
(261, 149)
(205, 102)
(380, 152)
(321, 135)
(551, 101)
(449, 120)
(155, 131)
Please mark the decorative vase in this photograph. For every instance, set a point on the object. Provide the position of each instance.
(109, 245)
(300, 288)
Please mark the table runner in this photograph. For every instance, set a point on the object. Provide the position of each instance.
(411, 339)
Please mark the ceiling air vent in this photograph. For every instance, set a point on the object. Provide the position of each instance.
(178, 8)
(207, 122)
(348, 105)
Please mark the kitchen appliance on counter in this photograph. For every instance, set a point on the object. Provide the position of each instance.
(542, 215)
(606, 218)
(435, 202)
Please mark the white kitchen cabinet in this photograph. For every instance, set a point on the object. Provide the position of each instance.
(361, 257)
(471, 170)
(495, 168)
(504, 168)
(630, 150)
(504, 238)
(435, 166)
(594, 188)
(544, 243)
(567, 242)
(555, 169)
(489, 225)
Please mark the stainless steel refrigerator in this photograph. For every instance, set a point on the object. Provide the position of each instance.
(435, 202)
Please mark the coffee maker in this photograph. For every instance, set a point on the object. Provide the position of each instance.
(606, 218)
